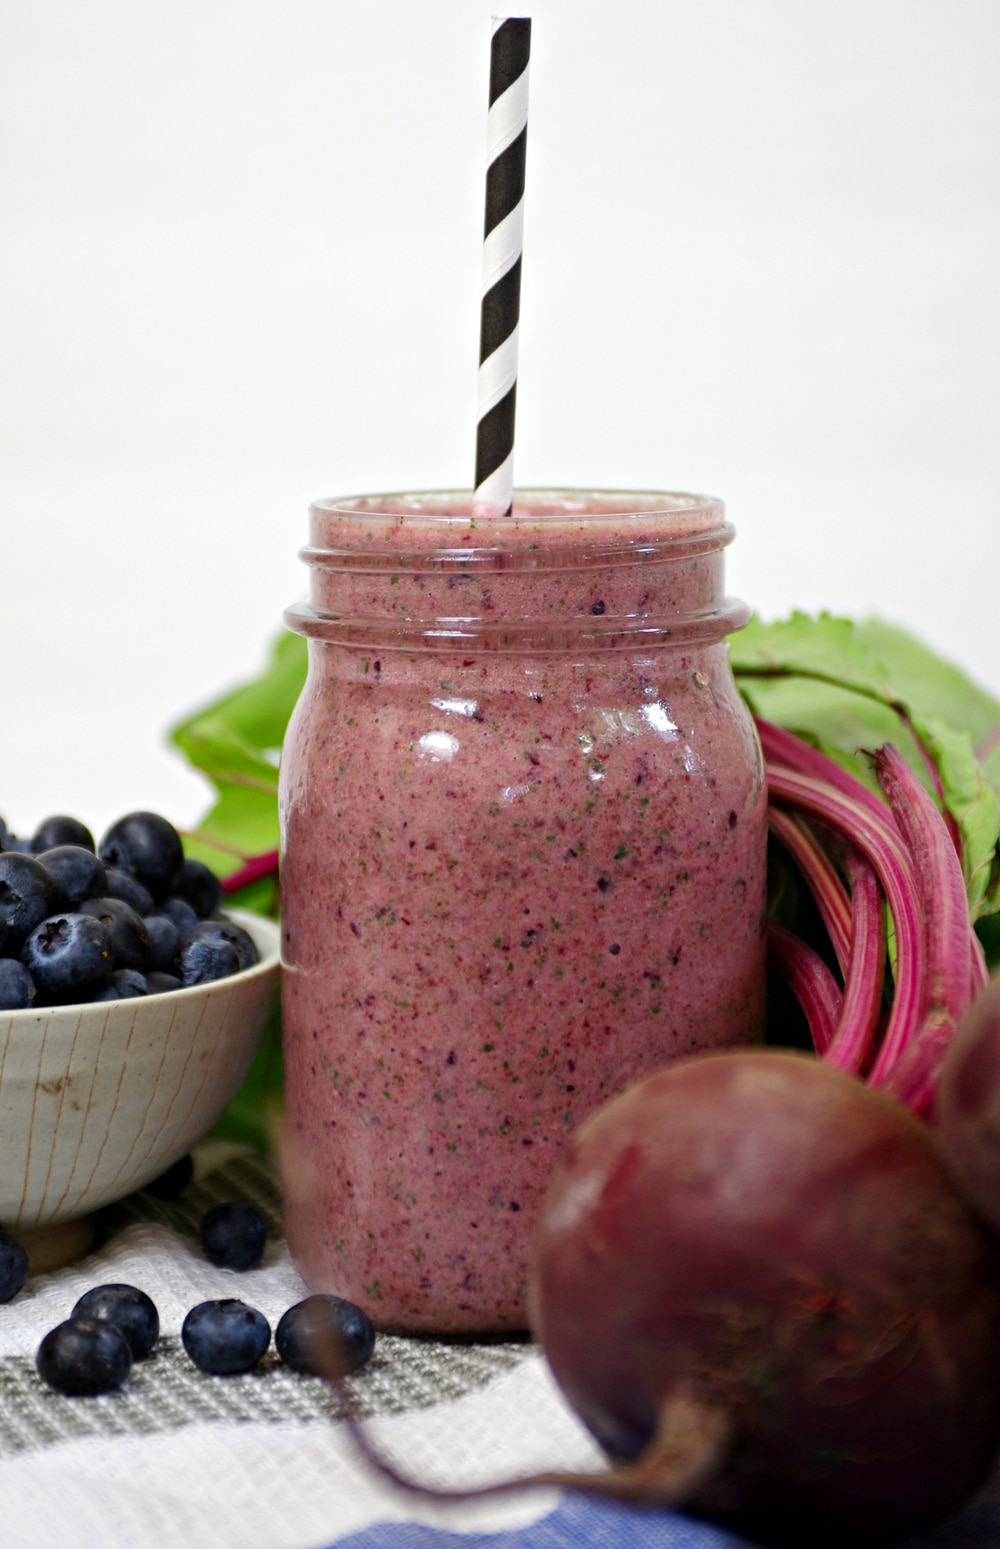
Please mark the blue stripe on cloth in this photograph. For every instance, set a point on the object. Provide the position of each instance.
(576, 1523)
(580, 1523)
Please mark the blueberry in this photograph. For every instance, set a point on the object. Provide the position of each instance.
(9, 841)
(129, 935)
(164, 943)
(84, 1356)
(325, 1336)
(222, 929)
(227, 1336)
(124, 984)
(160, 983)
(204, 953)
(28, 895)
(59, 831)
(181, 912)
(67, 953)
(13, 1266)
(130, 1311)
(147, 846)
(200, 887)
(77, 870)
(203, 961)
(172, 1182)
(233, 1235)
(17, 987)
(129, 889)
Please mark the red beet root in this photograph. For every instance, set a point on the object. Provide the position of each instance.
(968, 1105)
(755, 1278)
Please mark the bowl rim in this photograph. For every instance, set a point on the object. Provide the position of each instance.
(266, 935)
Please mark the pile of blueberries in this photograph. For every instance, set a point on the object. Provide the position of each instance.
(112, 1326)
(130, 916)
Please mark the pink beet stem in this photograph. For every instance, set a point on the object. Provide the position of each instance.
(821, 876)
(784, 747)
(945, 916)
(811, 982)
(979, 974)
(868, 825)
(913, 1080)
(935, 779)
(258, 866)
(940, 884)
(862, 1007)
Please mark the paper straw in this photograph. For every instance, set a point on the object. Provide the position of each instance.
(503, 234)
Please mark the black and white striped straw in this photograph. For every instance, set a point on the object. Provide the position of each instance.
(503, 238)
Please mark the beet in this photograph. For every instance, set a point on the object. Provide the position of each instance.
(755, 1278)
(968, 1105)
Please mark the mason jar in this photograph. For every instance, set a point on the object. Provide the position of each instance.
(523, 864)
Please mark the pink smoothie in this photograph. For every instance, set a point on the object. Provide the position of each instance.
(523, 864)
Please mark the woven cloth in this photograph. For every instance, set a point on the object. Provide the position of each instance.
(180, 1460)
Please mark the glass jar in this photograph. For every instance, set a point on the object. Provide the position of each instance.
(523, 830)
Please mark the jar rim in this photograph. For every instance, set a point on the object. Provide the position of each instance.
(545, 505)
(548, 529)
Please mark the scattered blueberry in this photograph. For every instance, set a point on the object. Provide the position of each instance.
(13, 1266)
(84, 1356)
(325, 1336)
(130, 1310)
(28, 895)
(174, 1181)
(233, 1235)
(77, 870)
(147, 846)
(68, 952)
(224, 1337)
(115, 1324)
(17, 987)
(200, 887)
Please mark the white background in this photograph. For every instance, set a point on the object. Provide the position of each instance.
(239, 266)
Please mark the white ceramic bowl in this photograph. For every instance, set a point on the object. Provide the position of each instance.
(97, 1100)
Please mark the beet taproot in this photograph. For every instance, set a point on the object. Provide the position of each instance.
(756, 1270)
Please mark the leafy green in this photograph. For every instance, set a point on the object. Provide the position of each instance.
(236, 743)
(974, 803)
(864, 658)
(851, 686)
(847, 685)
